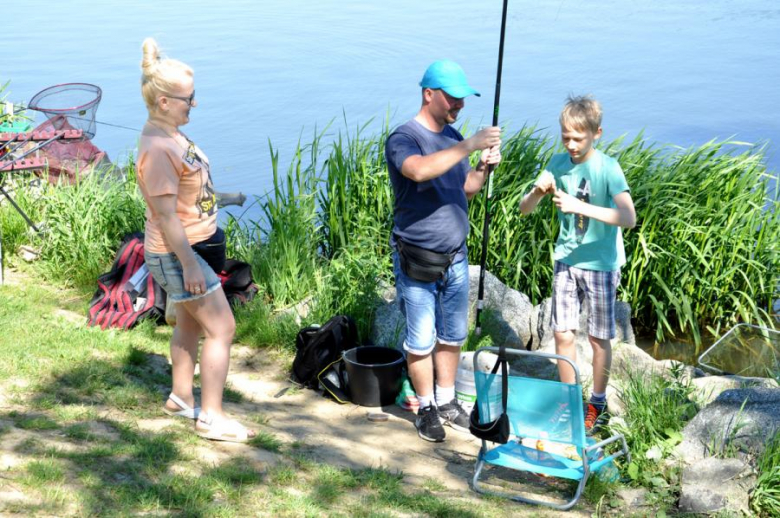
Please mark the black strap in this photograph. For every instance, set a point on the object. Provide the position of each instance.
(504, 376)
(502, 360)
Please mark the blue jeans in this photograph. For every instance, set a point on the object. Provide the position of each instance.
(168, 272)
(435, 311)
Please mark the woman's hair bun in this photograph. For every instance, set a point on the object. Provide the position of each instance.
(151, 55)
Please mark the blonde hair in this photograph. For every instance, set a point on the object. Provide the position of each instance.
(581, 112)
(159, 75)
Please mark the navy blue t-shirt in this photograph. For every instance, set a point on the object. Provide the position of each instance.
(432, 214)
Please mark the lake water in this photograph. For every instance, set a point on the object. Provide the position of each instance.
(682, 72)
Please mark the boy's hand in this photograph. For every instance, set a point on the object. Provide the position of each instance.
(566, 202)
(545, 184)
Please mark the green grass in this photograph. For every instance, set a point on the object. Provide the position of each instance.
(657, 409)
(765, 498)
(267, 441)
(324, 231)
(79, 395)
(85, 223)
(323, 239)
(258, 325)
(81, 225)
(700, 223)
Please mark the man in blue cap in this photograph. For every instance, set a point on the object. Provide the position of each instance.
(428, 161)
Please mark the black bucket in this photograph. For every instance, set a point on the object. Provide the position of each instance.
(374, 374)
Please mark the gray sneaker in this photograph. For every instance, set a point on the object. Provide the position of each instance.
(452, 414)
(429, 425)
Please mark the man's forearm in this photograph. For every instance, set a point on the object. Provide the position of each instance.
(421, 168)
(475, 180)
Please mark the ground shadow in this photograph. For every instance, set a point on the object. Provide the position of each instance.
(84, 431)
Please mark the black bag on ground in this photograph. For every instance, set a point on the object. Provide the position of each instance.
(212, 250)
(421, 264)
(333, 380)
(318, 348)
(237, 282)
(497, 430)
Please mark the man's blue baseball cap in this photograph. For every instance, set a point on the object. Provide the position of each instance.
(448, 76)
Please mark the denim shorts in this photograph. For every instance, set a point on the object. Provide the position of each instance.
(167, 271)
(572, 286)
(435, 311)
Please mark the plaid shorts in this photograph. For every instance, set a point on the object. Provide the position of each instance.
(572, 286)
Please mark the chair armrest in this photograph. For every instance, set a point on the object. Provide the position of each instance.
(603, 443)
(610, 440)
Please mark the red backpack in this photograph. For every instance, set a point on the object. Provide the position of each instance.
(127, 293)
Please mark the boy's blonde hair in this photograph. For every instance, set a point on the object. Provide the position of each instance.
(581, 112)
(159, 75)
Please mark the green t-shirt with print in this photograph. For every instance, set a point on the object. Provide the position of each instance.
(584, 242)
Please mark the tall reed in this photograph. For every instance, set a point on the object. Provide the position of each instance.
(14, 230)
(283, 248)
(520, 247)
(704, 253)
(85, 222)
(703, 256)
(356, 199)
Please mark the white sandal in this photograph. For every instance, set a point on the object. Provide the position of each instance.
(221, 429)
(186, 410)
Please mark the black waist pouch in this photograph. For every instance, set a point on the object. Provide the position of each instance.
(421, 264)
(212, 250)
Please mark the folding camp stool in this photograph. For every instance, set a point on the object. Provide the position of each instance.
(541, 410)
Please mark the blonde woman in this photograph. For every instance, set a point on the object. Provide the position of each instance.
(183, 246)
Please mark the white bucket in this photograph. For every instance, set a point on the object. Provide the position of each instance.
(465, 389)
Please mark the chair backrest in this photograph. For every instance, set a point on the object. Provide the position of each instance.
(537, 408)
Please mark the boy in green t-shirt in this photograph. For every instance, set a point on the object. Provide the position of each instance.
(593, 201)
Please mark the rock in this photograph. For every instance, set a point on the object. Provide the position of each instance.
(507, 321)
(615, 405)
(726, 423)
(710, 387)
(688, 372)
(713, 485)
(511, 319)
(535, 367)
(543, 339)
(584, 360)
(541, 324)
(628, 359)
(632, 498)
(510, 311)
(28, 253)
(388, 328)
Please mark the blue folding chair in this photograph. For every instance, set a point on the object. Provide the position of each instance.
(542, 410)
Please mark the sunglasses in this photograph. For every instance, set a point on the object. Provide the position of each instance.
(189, 100)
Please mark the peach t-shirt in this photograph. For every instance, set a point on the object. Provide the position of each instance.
(165, 167)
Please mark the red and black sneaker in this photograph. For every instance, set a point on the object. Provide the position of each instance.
(596, 416)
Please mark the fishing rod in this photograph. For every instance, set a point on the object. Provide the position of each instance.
(489, 192)
(21, 109)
